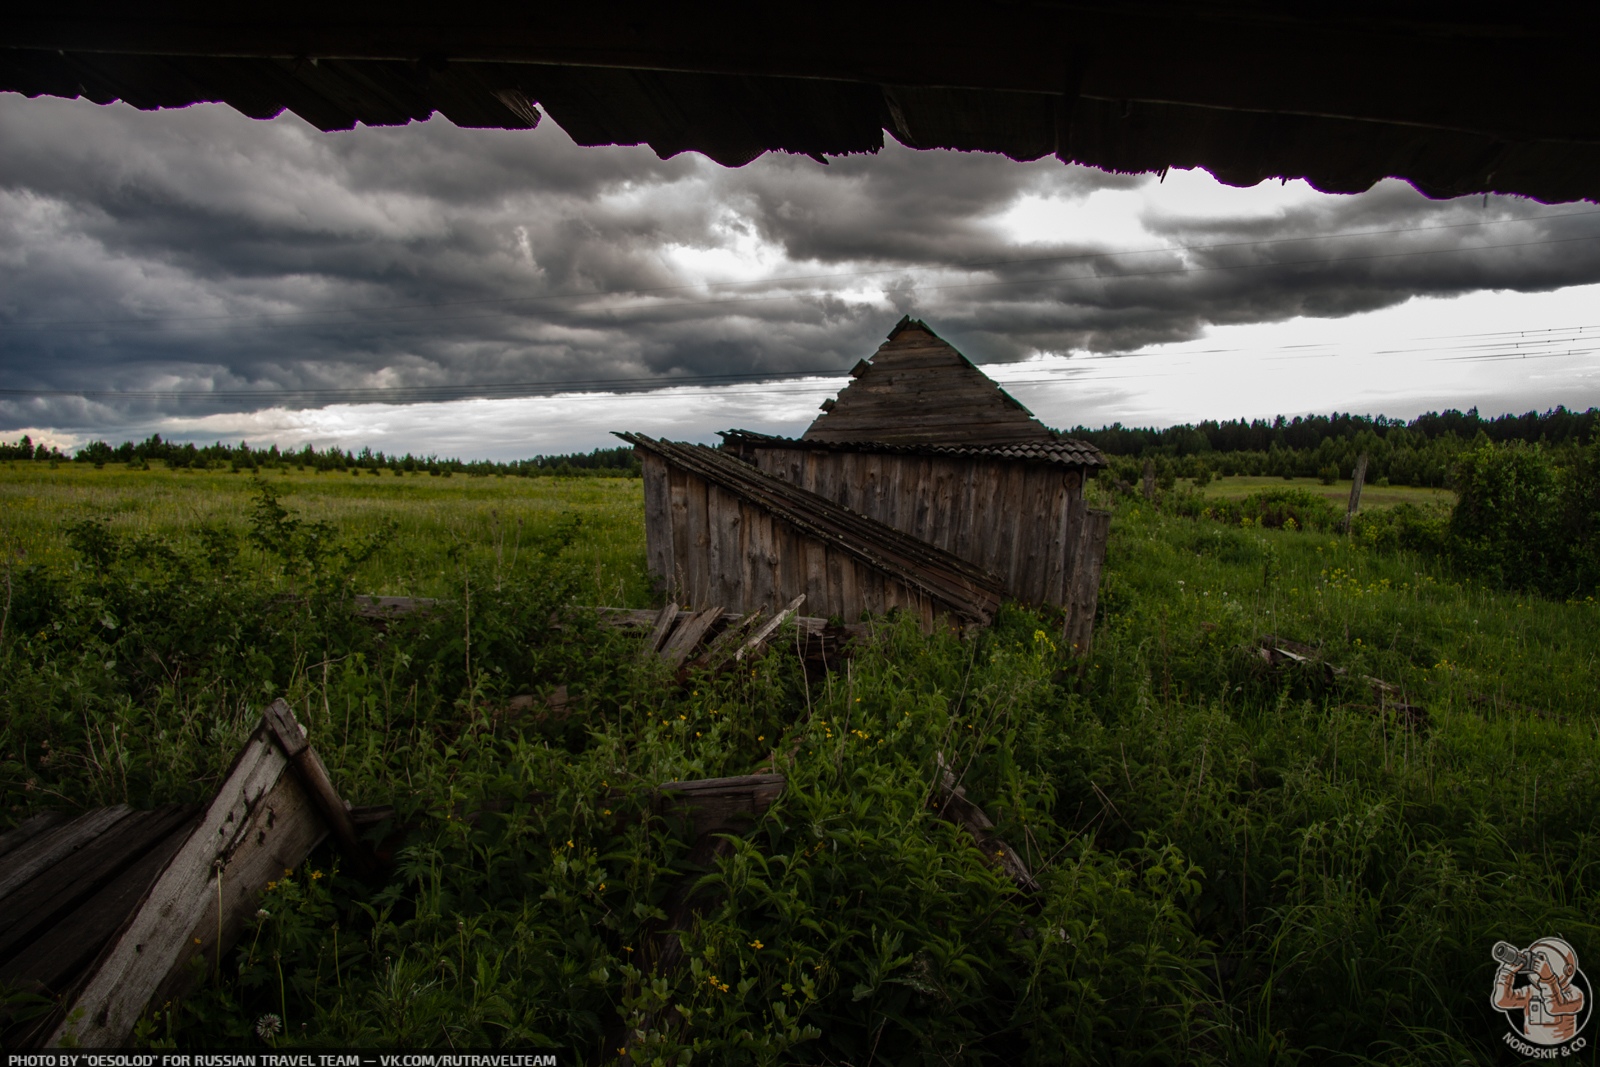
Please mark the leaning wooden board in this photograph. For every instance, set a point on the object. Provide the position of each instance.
(262, 821)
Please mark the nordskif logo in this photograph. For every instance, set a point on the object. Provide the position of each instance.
(1543, 995)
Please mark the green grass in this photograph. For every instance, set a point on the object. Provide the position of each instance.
(1372, 496)
(440, 520)
(1240, 864)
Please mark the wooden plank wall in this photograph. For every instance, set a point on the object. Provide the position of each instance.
(709, 548)
(1023, 521)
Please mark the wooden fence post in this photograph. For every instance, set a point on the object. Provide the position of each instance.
(1149, 479)
(1357, 480)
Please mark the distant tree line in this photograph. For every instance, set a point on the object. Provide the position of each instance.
(1422, 452)
(602, 462)
(26, 449)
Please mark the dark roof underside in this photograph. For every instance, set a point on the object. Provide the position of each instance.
(1458, 98)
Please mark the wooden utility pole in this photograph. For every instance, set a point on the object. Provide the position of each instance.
(1357, 480)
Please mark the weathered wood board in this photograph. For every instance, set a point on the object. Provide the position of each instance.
(107, 910)
(746, 541)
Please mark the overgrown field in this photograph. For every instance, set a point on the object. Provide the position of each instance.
(1337, 493)
(1240, 863)
(440, 522)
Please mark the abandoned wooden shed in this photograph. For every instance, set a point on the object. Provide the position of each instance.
(925, 442)
(721, 533)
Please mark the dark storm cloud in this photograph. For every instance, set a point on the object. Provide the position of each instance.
(202, 251)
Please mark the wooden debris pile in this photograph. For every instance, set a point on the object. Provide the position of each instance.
(102, 913)
(1282, 654)
(735, 638)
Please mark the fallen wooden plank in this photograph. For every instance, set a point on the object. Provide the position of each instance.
(686, 638)
(28, 830)
(715, 808)
(956, 808)
(74, 941)
(724, 646)
(665, 619)
(1280, 652)
(719, 805)
(760, 636)
(55, 891)
(272, 808)
(136, 963)
(48, 849)
(391, 607)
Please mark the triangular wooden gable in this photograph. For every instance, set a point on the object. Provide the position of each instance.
(919, 390)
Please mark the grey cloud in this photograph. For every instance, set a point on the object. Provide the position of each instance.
(203, 250)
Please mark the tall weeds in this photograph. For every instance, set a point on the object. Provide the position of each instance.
(1238, 862)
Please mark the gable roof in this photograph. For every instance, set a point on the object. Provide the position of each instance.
(970, 590)
(918, 390)
(1065, 451)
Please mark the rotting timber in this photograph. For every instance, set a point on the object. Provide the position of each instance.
(102, 913)
(721, 533)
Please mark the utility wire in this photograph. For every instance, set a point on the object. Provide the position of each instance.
(1481, 346)
(216, 321)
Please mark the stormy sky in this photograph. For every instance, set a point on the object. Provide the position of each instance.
(208, 276)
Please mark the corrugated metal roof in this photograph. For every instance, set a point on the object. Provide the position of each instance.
(1063, 450)
(1455, 99)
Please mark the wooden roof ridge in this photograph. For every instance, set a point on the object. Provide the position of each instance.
(1065, 451)
(918, 389)
(971, 590)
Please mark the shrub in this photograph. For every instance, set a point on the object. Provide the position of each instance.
(1580, 519)
(1415, 528)
(1507, 515)
(1328, 474)
(1295, 508)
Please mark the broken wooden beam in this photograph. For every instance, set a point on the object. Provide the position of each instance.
(759, 638)
(103, 913)
(715, 809)
(956, 808)
(1281, 653)
(820, 639)
(665, 620)
(313, 774)
(688, 634)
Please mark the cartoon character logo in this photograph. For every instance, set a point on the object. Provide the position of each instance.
(1541, 991)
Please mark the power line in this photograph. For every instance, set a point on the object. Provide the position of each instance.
(222, 321)
(1480, 346)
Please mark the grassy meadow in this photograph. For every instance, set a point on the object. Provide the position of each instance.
(1372, 496)
(439, 521)
(1239, 862)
